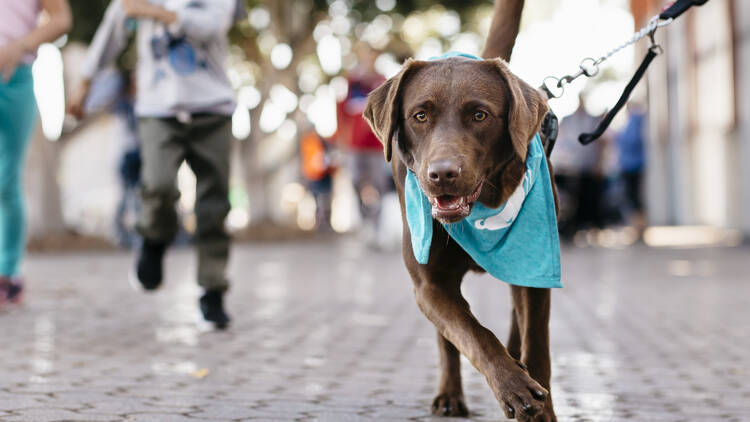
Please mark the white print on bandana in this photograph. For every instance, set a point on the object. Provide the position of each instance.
(511, 209)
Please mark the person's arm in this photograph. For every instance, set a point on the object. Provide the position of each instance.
(142, 9)
(58, 22)
(506, 20)
(201, 20)
(205, 20)
(108, 42)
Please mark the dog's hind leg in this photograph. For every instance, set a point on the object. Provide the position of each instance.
(450, 398)
(531, 311)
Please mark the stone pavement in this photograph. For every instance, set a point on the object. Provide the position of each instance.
(330, 332)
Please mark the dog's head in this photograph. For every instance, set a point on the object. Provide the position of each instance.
(463, 126)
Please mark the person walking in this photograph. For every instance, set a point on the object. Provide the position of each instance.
(578, 174)
(630, 145)
(318, 168)
(370, 175)
(113, 91)
(20, 36)
(184, 102)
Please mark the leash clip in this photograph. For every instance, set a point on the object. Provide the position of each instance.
(554, 89)
(654, 46)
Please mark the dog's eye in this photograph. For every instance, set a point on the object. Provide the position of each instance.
(479, 116)
(421, 117)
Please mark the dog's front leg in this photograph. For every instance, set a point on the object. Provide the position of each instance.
(450, 398)
(441, 301)
(531, 310)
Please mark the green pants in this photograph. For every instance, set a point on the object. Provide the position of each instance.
(204, 143)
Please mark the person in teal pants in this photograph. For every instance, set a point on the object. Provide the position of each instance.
(20, 36)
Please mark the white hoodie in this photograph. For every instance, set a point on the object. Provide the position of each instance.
(180, 67)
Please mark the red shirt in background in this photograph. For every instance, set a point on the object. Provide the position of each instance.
(353, 130)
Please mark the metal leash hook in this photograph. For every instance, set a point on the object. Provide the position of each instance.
(559, 83)
(552, 90)
(654, 46)
(654, 50)
(592, 70)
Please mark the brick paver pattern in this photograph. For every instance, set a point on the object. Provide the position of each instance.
(330, 332)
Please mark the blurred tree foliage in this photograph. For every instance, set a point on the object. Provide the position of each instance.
(88, 13)
(293, 22)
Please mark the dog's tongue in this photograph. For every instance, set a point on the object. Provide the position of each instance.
(448, 201)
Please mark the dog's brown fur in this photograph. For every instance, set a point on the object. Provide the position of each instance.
(447, 94)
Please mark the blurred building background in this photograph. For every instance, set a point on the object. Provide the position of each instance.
(288, 65)
(699, 109)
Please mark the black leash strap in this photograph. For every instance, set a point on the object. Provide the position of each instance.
(587, 138)
(679, 7)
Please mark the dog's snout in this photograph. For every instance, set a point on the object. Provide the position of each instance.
(443, 171)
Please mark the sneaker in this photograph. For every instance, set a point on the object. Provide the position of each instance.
(212, 307)
(11, 289)
(149, 267)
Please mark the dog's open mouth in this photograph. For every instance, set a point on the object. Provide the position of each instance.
(452, 208)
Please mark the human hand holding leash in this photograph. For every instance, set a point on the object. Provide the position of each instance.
(75, 103)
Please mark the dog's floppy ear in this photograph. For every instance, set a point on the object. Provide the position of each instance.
(384, 106)
(526, 110)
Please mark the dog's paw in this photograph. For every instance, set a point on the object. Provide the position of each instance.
(520, 396)
(449, 404)
(548, 413)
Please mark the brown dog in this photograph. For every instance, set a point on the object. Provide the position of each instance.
(463, 127)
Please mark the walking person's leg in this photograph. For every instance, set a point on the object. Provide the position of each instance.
(633, 186)
(130, 169)
(17, 118)
(367, 172)
(162, 152)
(208, 156)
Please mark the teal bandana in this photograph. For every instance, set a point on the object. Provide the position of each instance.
(516, 242)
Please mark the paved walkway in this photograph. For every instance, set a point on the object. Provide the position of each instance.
(330, 332)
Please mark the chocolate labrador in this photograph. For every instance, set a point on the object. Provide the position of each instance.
(463, 127)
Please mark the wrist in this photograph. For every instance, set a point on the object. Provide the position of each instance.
(23, 46)
(158, 13)
(165, 16)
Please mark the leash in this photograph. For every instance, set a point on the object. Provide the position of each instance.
(555, 87)
(587, 138)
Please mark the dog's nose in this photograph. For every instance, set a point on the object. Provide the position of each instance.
(443, 171)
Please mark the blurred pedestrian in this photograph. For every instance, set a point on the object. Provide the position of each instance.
(318, 168)
(578, 174)
(113, 90)
(184, 102)
(369, 172)
(630, 145)
(20, 36)
(129, 164)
